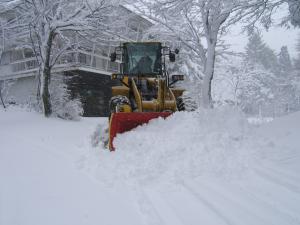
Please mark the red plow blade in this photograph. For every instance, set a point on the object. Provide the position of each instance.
(122, 122)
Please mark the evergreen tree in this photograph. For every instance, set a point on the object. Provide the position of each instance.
(258, 53)
(270, 85)
(297, 60)
(254, 48)
(284, 62)
(269, 59)
(286, 94)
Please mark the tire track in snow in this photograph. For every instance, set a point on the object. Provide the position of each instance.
(278, 181)
(284, 174)
(167, 212)
(242, 201)
(287, 159)
(276, 196)
(147, 209)
(268, 204)
(211, 206)
(231, 206)
(189, 210)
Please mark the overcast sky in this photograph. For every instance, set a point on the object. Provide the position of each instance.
(276, 37)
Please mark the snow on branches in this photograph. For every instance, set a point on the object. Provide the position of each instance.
(49, 28)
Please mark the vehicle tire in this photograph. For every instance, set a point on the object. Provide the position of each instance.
(116, 101)
(186, 103)
(180, 104)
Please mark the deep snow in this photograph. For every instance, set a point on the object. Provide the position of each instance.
(205, 167)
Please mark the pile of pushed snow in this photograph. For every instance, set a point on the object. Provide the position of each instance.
(185, 145)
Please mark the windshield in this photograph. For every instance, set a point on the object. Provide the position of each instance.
(142, 58)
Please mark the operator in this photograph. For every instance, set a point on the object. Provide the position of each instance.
(145, 64)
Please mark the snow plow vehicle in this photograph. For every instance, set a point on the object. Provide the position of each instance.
(145, 90)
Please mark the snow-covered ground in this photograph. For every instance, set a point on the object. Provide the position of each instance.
(205, 167)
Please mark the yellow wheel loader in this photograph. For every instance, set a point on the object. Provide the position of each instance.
(146, 90)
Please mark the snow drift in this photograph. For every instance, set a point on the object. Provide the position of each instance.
(184, 145)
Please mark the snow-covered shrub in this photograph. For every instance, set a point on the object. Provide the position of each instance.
(70, 109)
(64, 105)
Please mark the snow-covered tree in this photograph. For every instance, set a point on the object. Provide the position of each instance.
(272, 6)
(257, 52)
(255, 48)
(297, 72)
(230, 75)
(297, 60)
(284, 62)
(286, 93)
(199, 25)
(256, 90)
(245, 85)
(49, 25)
(263, 66)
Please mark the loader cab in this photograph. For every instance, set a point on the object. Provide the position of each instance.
(142, 59)
(144, 63)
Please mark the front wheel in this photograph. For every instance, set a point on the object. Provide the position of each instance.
(186, 103)
(118, 103)
(180, 104)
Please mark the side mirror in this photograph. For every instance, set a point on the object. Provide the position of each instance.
(113, 57)
(172, 57)
(176, 78)
(176, 51)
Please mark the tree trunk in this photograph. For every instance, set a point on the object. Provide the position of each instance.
(47, 76)
(208, 75)
(45, 92)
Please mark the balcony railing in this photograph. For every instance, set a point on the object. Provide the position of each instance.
(70, 60)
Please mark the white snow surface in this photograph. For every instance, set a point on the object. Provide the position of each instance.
(204, 167)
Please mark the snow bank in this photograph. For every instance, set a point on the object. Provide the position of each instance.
(185, 145)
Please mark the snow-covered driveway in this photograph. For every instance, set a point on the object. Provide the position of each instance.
(194, 168)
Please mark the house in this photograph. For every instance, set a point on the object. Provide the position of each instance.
(87, 68)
